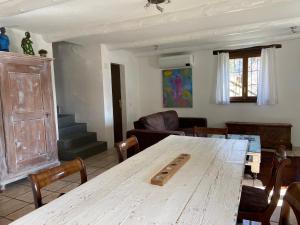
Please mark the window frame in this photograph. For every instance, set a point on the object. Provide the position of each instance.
(245, 55)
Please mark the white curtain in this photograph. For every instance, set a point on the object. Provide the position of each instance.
(222, 91)
(267, 78)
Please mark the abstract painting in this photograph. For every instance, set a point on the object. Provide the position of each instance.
(177, 88)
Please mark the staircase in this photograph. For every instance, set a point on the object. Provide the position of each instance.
(75, 141)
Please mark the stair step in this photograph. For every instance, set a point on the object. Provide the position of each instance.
(72, 129)
(77, 140)
(83, 151)
(65, 120)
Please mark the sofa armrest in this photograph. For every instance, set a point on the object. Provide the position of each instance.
(146, 138)
(190, 122)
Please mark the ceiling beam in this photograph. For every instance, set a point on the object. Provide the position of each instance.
(227, 44)
(16, 7)
(212, 34)
(212, 8)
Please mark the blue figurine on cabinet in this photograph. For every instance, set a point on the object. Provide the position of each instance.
(4, 40)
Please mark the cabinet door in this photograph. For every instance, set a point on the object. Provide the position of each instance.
(30, 133)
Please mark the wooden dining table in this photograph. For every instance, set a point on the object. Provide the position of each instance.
(204, 191)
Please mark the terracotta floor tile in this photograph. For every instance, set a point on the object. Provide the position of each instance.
(96, 173)
(4, 199)
(25, 182)
(21, 212)
(57, 185)
(50, 197)
(90, 160)
(293, 219)
(111, 165)
(28, 197)
(14, 190)
(276, 214)
(90, 169)
(4, 221)
(68, 188)
(11, 206)
(258, 183)
(74, 178)
(248, 182)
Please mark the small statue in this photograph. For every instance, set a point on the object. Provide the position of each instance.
(27, 44)
(4, 40)
(43, 53)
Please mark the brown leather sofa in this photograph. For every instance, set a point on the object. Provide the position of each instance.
(155, 127)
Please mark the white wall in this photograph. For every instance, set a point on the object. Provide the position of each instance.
(204, 78)
(16, 37)
(83, 81)
(79, 84)
(129, 83)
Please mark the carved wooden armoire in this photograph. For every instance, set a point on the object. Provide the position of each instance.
(27, 118)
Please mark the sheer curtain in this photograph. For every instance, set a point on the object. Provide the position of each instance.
(222, 90)
(267, 78)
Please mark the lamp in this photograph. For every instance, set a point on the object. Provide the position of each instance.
(157, 4)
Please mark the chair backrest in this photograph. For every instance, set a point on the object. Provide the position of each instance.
(279, 157)
(205, 131)
(48, 176)
(290, 200)
(127, 148)
(279, 163)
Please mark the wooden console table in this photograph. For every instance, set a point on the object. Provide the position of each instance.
(271, 134)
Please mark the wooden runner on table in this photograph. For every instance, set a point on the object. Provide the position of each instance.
(167, 172)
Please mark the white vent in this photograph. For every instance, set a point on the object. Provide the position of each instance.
(177, 61)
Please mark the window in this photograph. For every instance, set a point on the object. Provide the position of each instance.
(243, 70)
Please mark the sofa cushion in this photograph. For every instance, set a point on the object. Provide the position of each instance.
(171, 120)
(153, 122)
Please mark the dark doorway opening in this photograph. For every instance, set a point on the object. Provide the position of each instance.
(117, 101)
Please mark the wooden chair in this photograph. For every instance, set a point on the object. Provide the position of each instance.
(205, 131)
(254, 204)
(291, 200)
(127, 148)
(48, 176)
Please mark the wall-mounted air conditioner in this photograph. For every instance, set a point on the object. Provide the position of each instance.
(176, 61)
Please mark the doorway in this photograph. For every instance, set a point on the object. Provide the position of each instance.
(117, 101)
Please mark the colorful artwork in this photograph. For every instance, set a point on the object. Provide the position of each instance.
(177, 88)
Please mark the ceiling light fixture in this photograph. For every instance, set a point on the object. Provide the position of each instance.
(157, 4)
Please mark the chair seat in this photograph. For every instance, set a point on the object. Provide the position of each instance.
(253, 200)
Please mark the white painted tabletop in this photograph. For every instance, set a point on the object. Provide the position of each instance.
(205, 191)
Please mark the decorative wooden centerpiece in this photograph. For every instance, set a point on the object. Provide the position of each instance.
(167, 172)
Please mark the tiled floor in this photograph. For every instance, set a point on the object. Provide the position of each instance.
(17, 200)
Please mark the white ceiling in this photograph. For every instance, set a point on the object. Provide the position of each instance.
(126, 24)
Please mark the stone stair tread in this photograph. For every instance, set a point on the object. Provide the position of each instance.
(73, 129)
(64, 115)
(77, 140)
(85, 146)
(83, 151)
(75, 136)
(74, 139)
(72, 125)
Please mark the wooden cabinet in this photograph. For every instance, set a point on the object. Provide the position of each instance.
(271, 134)
(27, 118)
